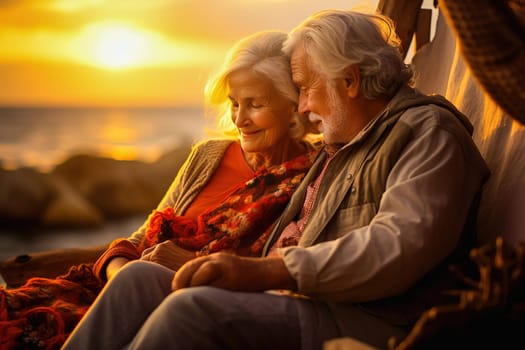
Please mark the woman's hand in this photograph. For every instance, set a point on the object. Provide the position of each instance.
(169, 254)
(234, 272)
(114, 266)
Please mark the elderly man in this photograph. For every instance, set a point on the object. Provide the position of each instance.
(386, 205)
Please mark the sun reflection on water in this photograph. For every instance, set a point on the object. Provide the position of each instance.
(43, 138)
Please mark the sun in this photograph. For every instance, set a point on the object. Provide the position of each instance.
(119, 46)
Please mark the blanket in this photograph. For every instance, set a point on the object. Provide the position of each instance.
(41, 313)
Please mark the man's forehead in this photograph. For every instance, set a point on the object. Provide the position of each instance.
(298, 52)
(299, 60)
(303, 72)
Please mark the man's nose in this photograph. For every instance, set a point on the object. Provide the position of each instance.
(302, 106)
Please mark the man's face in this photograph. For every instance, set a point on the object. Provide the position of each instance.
(322, 101)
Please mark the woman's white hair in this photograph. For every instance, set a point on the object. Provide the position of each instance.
(262, 53)
(336, 39)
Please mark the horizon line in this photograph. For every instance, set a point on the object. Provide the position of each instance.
(99, 106)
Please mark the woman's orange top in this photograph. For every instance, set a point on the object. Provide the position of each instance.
(232, 171)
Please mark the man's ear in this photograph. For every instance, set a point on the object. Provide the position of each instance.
(352, 81)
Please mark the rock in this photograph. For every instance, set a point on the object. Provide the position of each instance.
(24, 195)
(69, 209)
(109, 185)
(121, 188)
(31, 197)
(86, 190)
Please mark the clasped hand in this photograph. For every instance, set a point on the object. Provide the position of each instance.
(223, 270)
(168, 254)
(229, 271)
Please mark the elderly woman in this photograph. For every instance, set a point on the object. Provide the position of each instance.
(225, 197)
(231, 189)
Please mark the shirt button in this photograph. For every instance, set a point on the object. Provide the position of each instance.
(352, 191)
(349, 177)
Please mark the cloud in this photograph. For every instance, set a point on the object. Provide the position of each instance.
(224, 20)
(46, 46)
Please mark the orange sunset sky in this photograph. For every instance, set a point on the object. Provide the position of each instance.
(129, 52)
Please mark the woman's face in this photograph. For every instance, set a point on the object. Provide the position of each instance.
(261, 114)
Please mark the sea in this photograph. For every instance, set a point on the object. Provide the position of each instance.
(44, 137)
(41, 138)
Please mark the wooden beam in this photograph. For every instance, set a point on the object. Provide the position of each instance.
(50, 264)
(404, 13)
(423, 28)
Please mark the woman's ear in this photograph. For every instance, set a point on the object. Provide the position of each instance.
(352, 81)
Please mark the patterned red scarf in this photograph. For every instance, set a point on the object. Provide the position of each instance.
(241, 223)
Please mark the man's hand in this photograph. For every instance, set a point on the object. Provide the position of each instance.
(234, 272)
(169, 254)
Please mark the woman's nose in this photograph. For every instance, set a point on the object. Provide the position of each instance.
(240, 116)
